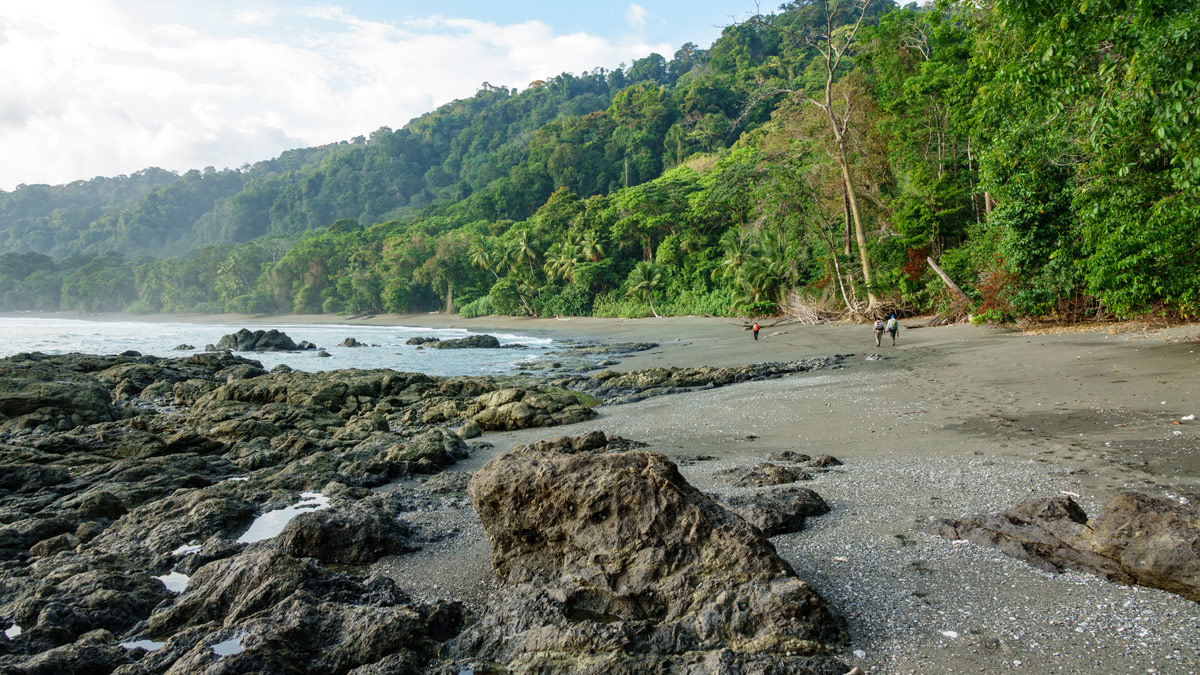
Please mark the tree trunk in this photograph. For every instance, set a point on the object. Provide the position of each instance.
(859, 234)
(846, 213)
(450, 297)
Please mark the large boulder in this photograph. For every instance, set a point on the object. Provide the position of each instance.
(612, 562)
(1136, 539)
(258, 341)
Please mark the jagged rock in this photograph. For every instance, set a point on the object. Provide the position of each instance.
(351, 342)
(25, 478)
(418, 341)
(582, 542)
(258, 341)
(763, 475)
(1136, 539)
(184, 348)
(357, 536)
(779, 511)
(323, 354)
(73, 596)
(63, 542)
(53, 406)
(305, 345)
(293, 616)
(20, 535)
(81, 658)
(469, 342)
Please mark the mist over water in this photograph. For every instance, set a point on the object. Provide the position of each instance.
(62, 336)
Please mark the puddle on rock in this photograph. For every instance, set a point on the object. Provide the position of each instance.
(186, 549)
(271, 523)
(175, 582)
(148, 645)
(229, 647)
(12, 631)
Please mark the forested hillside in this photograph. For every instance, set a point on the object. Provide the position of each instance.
(835, 157)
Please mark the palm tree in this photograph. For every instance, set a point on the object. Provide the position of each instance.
(482, 259)
(592, 248)
(561, 260)
(522, 249)
(737, 246)
(644, 281)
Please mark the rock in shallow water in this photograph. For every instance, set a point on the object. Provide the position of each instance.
(614, 563)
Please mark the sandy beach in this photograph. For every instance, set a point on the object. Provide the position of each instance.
(953, 421)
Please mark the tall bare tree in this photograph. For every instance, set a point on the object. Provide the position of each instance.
(833, 42)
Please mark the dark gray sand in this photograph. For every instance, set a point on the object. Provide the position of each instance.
(956, 421)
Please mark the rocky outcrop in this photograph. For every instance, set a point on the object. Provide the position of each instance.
(258, 341)
(612, 562)
(351, 342)
(1136, 539)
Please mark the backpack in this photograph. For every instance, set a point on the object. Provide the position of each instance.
(879, 324)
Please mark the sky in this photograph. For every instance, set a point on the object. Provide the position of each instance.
(103, 87)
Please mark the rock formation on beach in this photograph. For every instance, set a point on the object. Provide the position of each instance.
(131, 482)
(1136, 539)
(612, 562)
(118, 469)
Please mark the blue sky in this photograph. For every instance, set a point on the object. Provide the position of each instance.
(107, 87)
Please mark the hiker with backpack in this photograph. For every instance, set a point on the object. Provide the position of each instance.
(879, 328)
(893, 327)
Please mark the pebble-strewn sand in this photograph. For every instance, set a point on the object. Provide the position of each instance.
(957, 420)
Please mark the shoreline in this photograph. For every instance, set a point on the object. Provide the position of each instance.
(952, 421)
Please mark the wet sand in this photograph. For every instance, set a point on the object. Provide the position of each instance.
(954, 421)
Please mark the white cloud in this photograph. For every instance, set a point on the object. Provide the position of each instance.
(636, 16)
(99, 90)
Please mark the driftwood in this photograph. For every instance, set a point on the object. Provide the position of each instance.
(949, 282)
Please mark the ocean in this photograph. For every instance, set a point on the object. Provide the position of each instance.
(61, 336)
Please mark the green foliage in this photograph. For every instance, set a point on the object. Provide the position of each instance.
(1042, 152)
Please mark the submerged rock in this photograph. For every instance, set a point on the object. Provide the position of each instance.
(612, 562)
(1136, 539)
